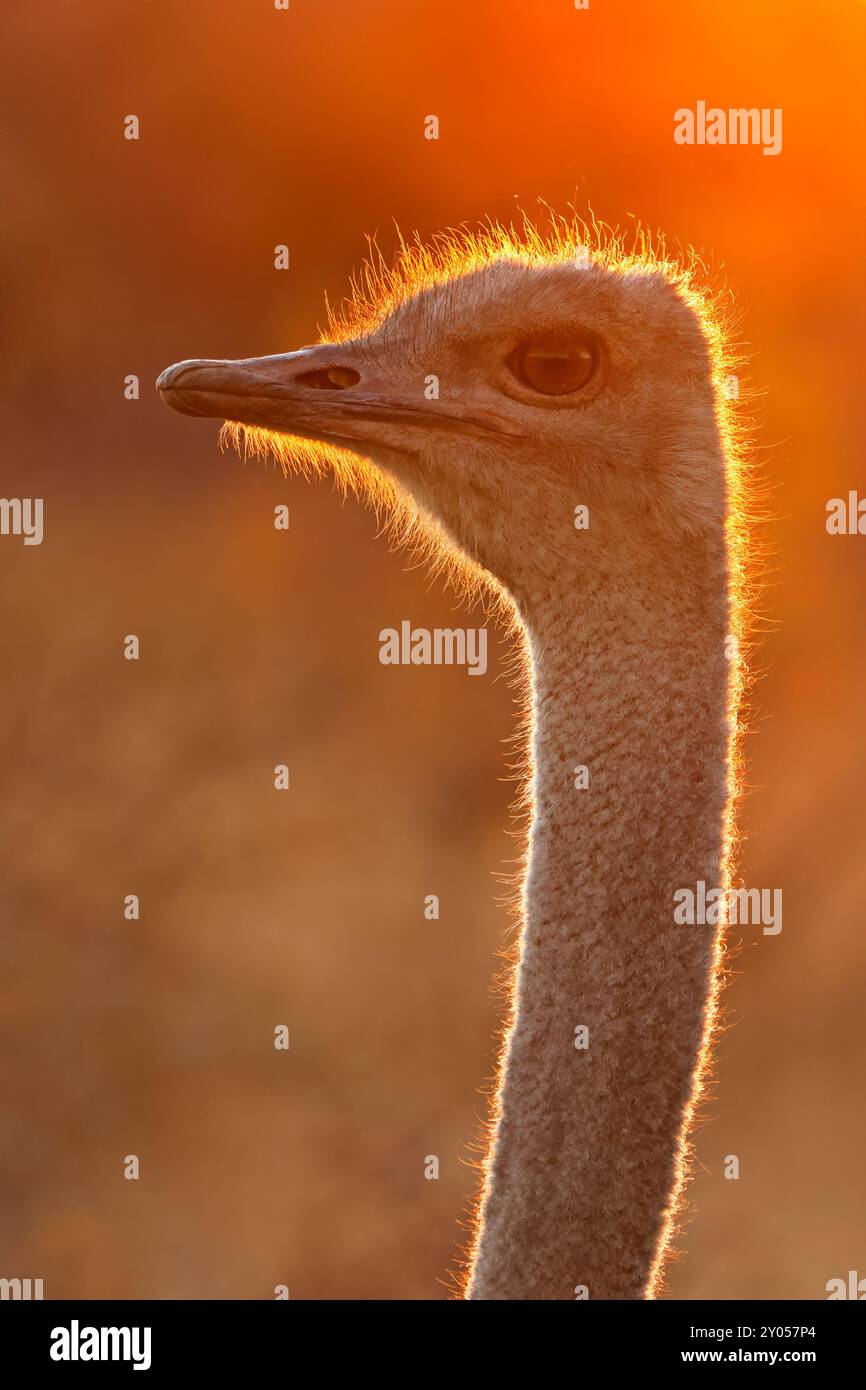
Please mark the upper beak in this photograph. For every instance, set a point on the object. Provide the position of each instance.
(332, 393)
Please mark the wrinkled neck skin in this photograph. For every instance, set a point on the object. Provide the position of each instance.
(630, 680)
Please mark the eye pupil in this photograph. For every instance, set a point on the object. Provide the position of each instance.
(555, 366)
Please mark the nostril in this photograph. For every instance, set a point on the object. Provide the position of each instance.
(329, 378)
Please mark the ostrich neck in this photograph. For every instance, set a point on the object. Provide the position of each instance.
(630, 681)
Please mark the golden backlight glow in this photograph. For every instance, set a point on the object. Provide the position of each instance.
(377, 291)
(300, 128)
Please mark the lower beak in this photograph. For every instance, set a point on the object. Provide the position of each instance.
(330, 393)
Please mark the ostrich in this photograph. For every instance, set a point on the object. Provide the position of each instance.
(547, 410)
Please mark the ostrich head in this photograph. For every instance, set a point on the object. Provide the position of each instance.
(499, 390)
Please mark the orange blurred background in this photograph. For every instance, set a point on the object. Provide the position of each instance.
(154, 1037)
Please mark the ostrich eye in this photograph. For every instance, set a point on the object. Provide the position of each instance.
(554, 366)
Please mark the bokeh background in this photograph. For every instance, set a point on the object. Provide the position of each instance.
(154, 1037)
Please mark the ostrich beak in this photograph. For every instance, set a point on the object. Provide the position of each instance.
(336, 394)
